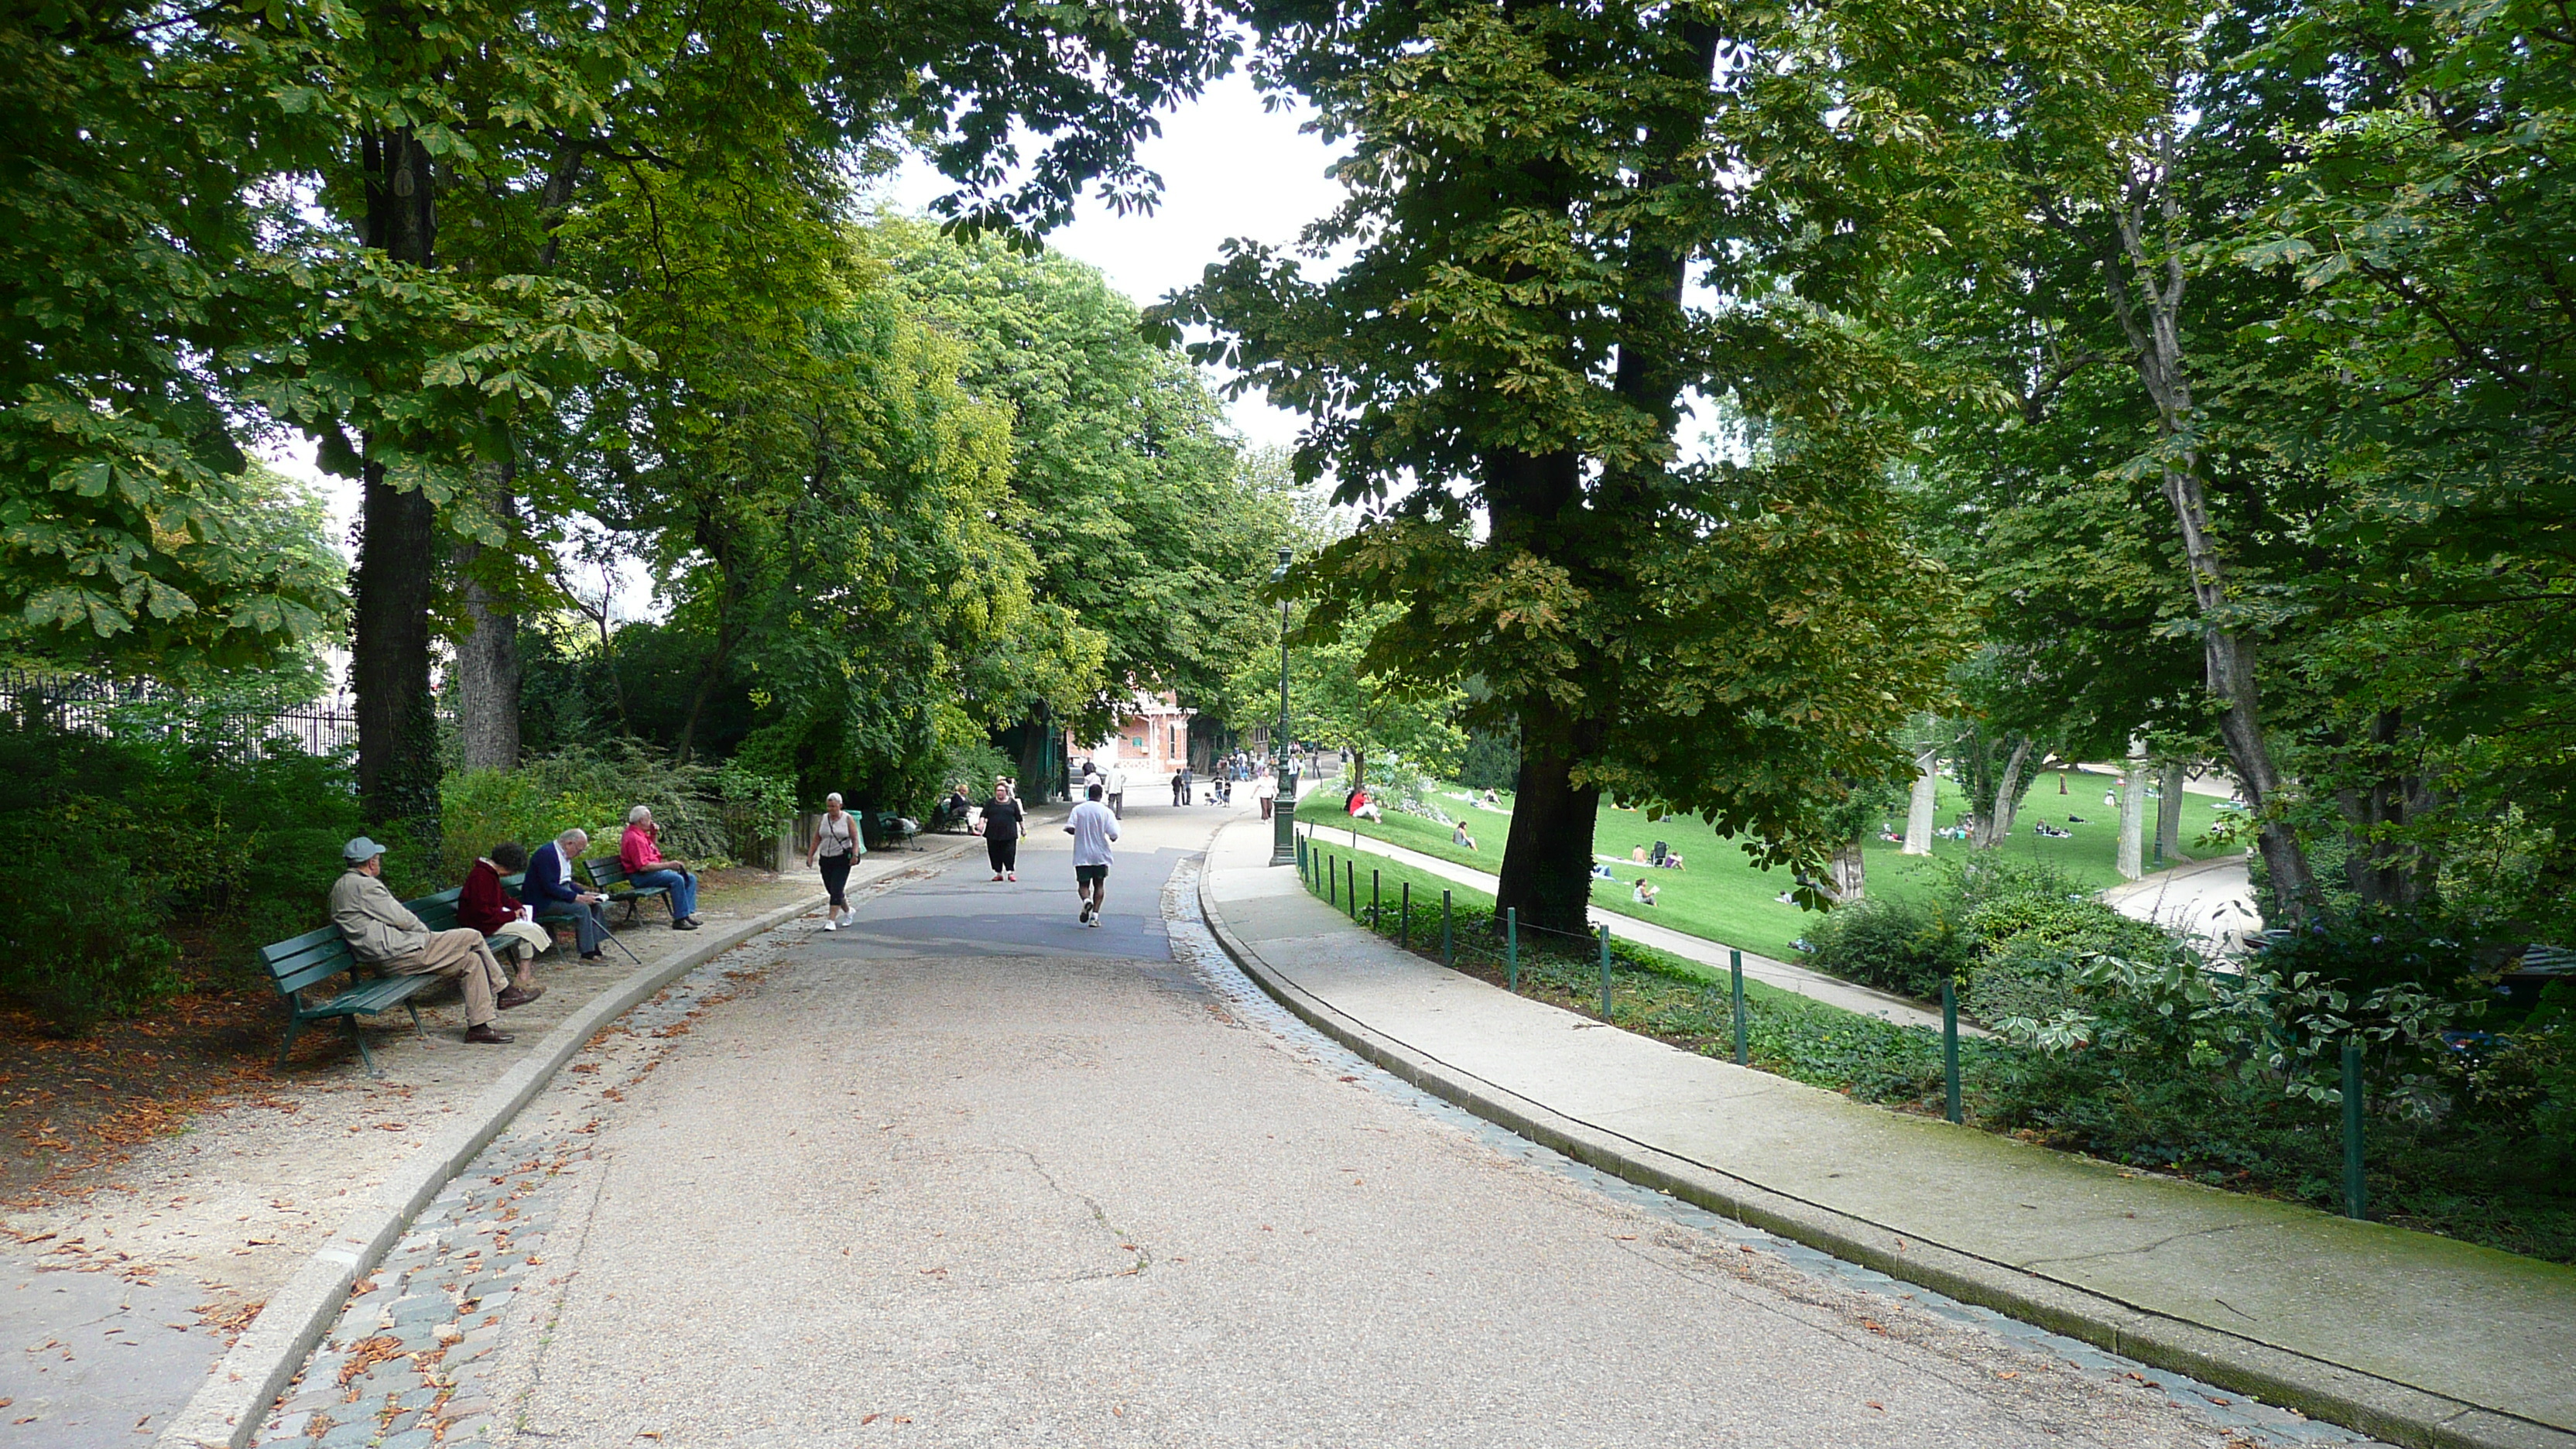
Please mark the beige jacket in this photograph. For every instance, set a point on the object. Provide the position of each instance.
(376, 926)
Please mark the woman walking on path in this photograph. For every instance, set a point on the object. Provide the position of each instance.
(836, 847)
(1002, 818)
(1268, 791)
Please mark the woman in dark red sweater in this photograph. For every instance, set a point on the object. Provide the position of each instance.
(486, 906)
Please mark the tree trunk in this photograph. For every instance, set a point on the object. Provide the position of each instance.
(1919, 810)
(1036, 779)
(395, 582)
(2145, 275)
(2381, 869)
(487, 659)
(2169, 812)
(1547, 857)
(1995, 827)
(1850, 873)
(2131, 861)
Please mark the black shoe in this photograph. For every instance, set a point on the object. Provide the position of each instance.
(488, 1035)
(684, 924)
(594, 955)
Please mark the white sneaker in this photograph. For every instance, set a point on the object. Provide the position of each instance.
(1094, 922)
(831, 925)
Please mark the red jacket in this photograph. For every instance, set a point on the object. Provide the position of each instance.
(637, 851)
(483, 905)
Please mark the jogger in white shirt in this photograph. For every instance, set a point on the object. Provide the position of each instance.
(1092, 828)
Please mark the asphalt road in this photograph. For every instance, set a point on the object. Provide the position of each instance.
(973, 1174)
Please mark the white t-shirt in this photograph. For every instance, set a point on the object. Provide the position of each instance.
(1093, 828)
(1268, 789)
(1115, 783)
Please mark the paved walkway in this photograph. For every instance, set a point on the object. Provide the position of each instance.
(973, 1174)
(2211, 901)
(120, 1294)
(1814, 985)
(2402, 1334)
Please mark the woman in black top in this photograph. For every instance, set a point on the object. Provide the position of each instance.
(1002, 817)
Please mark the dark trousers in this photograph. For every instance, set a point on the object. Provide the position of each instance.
(836, 875)
(1005, 854)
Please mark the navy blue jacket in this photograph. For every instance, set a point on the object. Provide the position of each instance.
(539, 888)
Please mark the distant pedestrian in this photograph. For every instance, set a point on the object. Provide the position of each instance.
(1092, 828)
(1267, 792)
(1003, 817)
(836, 848)
(1181, 786)
(1114, 785)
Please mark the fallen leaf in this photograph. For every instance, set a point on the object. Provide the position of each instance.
(872, 1418)
(1875, 1404)
(2008, 1374)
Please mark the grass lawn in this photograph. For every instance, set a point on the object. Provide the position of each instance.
(1722, 897)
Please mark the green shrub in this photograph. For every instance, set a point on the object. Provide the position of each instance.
(706, 814)
(81, 937)
(1897, 944)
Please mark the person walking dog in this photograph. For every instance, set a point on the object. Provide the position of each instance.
(836, 848)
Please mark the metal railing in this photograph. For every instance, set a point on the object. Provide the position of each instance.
(94, 705)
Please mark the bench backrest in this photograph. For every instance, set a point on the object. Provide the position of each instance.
(305, 960)
(607, 872)
(437, 912)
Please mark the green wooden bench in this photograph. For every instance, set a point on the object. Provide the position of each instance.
(309, 960)
(551, 914)
(608, 876)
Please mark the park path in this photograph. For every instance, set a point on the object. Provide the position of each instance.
(2209, 901)
(1814, 985)
(972, 1174)
(2437, 1340)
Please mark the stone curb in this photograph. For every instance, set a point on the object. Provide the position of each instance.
(2371, 1405)
(228, 1409)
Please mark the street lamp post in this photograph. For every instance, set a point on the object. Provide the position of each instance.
(1283, 812)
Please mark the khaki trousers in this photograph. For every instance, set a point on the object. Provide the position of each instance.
(459, 953)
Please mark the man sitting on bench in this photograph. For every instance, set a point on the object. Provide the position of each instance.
(641, 853)
(551, 892)
(383, 934)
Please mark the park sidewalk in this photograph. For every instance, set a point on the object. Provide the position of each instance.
(2404, 1336)
(1797, 980)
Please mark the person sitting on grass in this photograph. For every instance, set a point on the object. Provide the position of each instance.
(1460, 838)
(640, 852)
(1361, 807)
(1599, 871)
(383, 933)
(486, 906)
(1644, 894)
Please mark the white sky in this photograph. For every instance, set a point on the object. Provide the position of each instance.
(1229, 169)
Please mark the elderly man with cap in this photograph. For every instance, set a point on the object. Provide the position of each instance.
(383, 934)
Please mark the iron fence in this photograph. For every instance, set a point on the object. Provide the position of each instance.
(127, 708)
